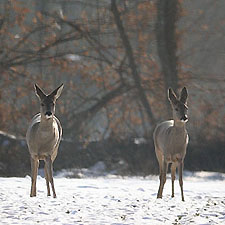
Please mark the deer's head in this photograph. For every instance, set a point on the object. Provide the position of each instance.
(47, 102)
(179, 105)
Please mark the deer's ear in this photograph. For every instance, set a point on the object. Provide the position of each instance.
(171, 96)
(57, 92)
(184, 95)
(39, 92)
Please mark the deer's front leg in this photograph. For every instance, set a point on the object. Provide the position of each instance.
(47, 180)
(34, 171)
(173, 172)
(181, 165)
(49, 168)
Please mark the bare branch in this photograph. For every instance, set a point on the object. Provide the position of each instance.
(132, 64)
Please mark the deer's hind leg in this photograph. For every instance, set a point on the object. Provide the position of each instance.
(34, 172)
(162, 178)
(159, 157)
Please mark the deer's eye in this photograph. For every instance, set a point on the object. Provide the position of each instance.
(176, 109)
(42, 104)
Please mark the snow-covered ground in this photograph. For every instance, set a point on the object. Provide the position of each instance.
(114, 200)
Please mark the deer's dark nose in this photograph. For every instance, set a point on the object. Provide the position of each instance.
(48, 113)
(184, 118)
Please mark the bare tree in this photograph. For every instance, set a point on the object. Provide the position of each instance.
(165, 27)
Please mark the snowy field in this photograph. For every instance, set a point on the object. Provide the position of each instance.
(114, 200)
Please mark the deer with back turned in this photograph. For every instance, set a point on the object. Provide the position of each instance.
(43, 137)
(171, 139)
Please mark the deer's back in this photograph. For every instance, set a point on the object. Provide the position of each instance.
(42, 142)
(170, 141)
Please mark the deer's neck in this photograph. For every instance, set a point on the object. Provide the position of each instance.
(46, 124)
(180, 128)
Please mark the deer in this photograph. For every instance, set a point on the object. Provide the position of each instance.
(43, 138)
(171, 140)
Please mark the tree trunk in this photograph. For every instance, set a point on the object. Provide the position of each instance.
(131, 60)
(167, 41)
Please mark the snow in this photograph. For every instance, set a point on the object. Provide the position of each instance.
(73, 57)
(7, 135)
(117, 200)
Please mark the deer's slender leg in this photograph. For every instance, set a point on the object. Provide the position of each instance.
(50, 174)
(181, 165)
(162, 179)
(34, 171)
(160, 160)
(160, 170)
(47, 180)
(173, 176)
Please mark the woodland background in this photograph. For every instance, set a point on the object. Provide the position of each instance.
(116, 60)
